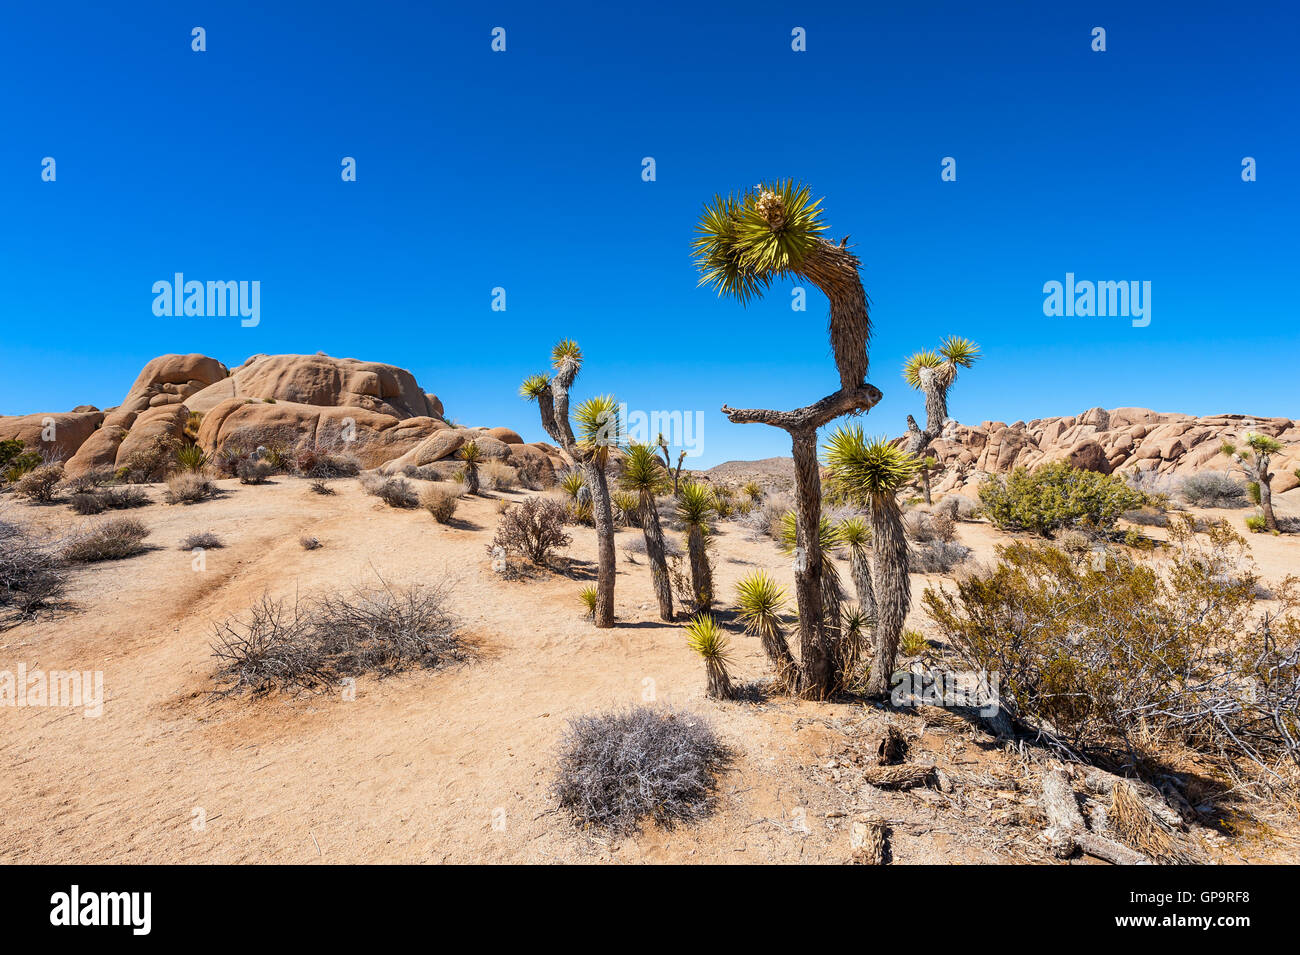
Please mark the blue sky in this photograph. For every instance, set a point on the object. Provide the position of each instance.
(522, 170)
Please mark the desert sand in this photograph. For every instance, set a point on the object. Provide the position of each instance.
(450, 765)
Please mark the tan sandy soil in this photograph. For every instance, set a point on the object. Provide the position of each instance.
(415, 767)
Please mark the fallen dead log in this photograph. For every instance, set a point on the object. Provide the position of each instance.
(1066, 830)
(888, 747)
(1102, 783)
(899, 777)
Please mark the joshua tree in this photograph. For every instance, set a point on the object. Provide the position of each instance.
(676, 475)
(695, 508)
(710, 641)
(828, 539)
(744, 244)
(872, 472)
(1254, 461)
(471, 455)
(933, 373)
(598, 432)
(856, 536)
(644, 475)
(761, 601)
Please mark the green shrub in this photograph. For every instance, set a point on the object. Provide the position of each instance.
(1056, 496)
(1252, 492)
(1256, 524)
(1125, 658)
(15, 461)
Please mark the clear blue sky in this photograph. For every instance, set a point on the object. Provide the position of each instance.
(523, 170)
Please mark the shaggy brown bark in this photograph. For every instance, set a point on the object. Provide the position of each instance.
(860, 571)
(899, 777)
(471, 477)
(1265, 480)
(893, 589)
(656, 554)
(701, 572)
(834, 270)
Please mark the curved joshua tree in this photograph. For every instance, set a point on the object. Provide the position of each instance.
(872, 472)
(644, 475)
(744, 243)
(598, 433)
(933, 373)
(696, 508)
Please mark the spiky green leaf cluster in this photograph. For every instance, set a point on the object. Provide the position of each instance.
(470, 452)
(695, 504)
(827, 534)
(566, 352)
(599, 429)
(1263, 444)
(922, 359)
(959, 351)
(760, 599)
(865, 469)
(534, 386)
(855, 532)
(744, 242)
(643, 471)
(706, 638)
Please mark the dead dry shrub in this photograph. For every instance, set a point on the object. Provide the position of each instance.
(533, 528)
(202, 540)
(253, 470)
(310, 644)
(440, 500)
(498, 476)
(150, 463)
(937, 557)
(41, 484)
(393, 491)
(112, 538)
(33, 573)
(618, 769)
(188, 487)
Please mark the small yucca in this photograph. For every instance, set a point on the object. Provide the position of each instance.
(599, 429)
(190, 457)
(589, 597)
(752, 490)
(761, 601)
(534, 386)
(711, 642)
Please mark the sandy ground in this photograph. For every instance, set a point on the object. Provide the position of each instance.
(447, 766)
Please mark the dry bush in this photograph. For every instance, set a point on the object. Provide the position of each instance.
(498, 476)
(958, 507)
(618, 769)
(33, 574)
(1108, 656)
(393, 491)
(112, 538)
(253, 470)
(634, 547)
(89, 481)
(937, 557)
(922, 527)
(764, 519)
(533, 528)
(530, 476)
(40, 485)
(1147, 517)
(307, 542)
(188, 487)
(203, 540)
(109, 499)
(320, 486)
(311, 644)
(1212, 489)
(149, 464)
(314, 461)
(440, 500)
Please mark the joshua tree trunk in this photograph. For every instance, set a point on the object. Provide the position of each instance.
(860, 571)
(701, 572)
(719, 685)
(918, 442)
(834, 270)
(893, 589)
(471, 477)
(925, 483)
(778, 652)
(935, 383)
(1265, 479)
(654, 548)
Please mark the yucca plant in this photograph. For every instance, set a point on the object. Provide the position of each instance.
(471, 454)
(589, 599)
(711, 642)
(590, 450)
(855, 535)
(695, 507)
(190, 457)
(872, 473)
(645, 476)
(572, 483)
(1254, 460)
(752, 490)
(857, 623)
(627, 508)
(761, 601)
(744, 243)
(933, 373)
